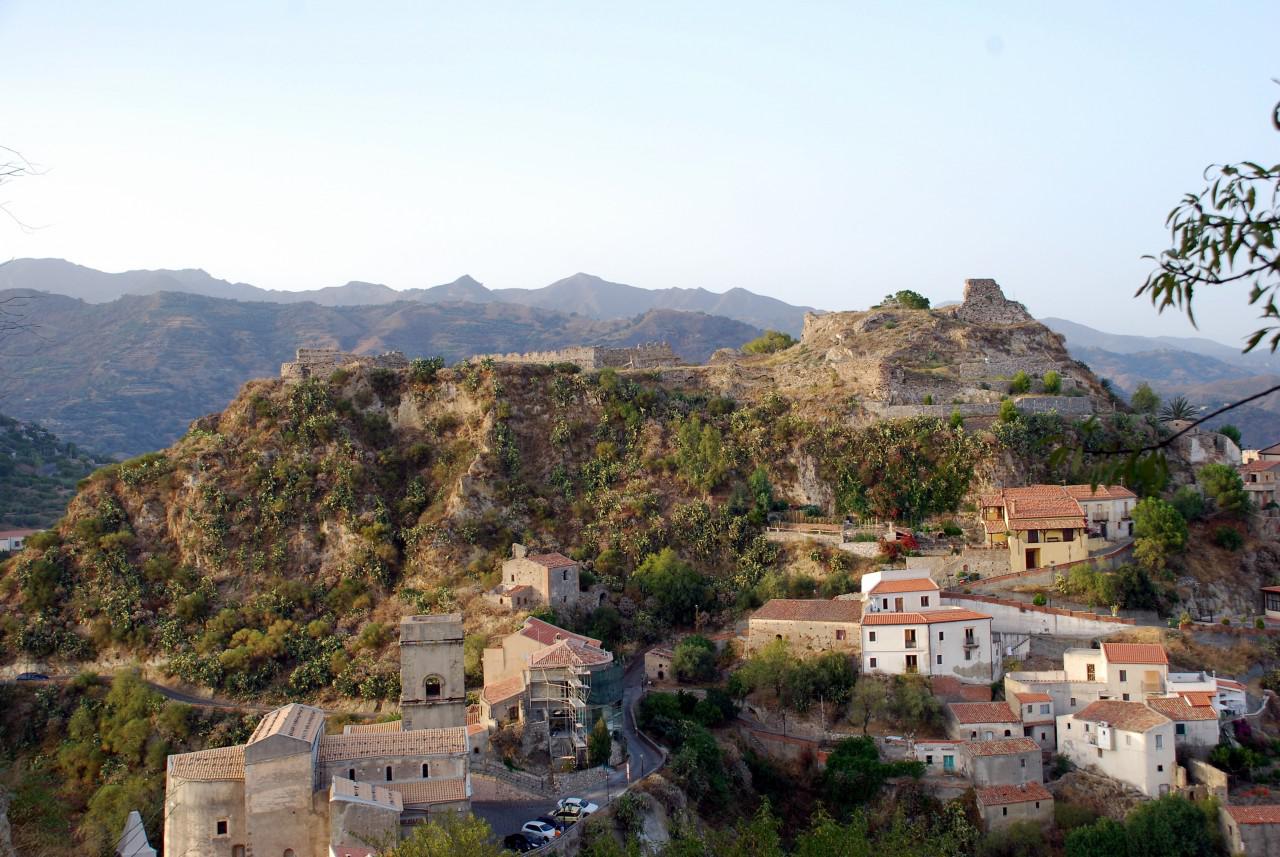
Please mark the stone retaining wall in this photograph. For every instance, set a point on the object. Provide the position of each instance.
(650, 355)
(1020, 617)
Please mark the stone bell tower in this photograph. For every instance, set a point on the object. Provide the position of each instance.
(432, 692)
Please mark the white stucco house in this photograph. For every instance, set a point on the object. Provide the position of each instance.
(1127, 741)
(950, 641)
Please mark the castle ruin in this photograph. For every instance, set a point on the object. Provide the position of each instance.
(985, 303)
(322, 362)
(649, 355)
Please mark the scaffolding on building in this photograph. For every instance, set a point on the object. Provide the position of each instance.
(561, 693)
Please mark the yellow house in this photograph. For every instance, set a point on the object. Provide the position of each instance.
(1042, 526)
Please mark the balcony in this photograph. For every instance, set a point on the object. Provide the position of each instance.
(910, 644)
(970, 643)
(1152, 687)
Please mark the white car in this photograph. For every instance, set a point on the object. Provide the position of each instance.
(539, 831)
(585, 806)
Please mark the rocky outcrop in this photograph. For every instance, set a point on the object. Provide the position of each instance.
(985, 303)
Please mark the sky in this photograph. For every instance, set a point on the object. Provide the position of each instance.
(823, 153)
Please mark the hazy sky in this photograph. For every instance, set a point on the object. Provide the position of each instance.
(823, 153)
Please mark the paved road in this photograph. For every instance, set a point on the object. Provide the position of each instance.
(164, 690)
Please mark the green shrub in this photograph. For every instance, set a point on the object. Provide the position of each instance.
(1008, 411)
(769, 342)
(1021, 383)
(1228, 538)
(1052, 382)
(1040, 600)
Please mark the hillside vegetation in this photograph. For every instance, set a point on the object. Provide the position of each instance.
(274, 547)
(38, 474)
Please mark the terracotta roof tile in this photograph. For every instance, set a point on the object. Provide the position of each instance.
(373, 728)
(1101, 492)
(924, 617)
(1256, 466)
(502, 690)
(809, 610)
(417, 742)
(551, 560)
(1261, 814)
(293, 720)
(915, 584)
(1230, 683)
(1129, 716)
(994, 527)
(569, 653)
(982, 712)
(476, 729)
(426, 792)
(221, 763)
(1001, 795)
(344, 789)
(546, 633)
(1135, 653)
(1001, 747)
(1025, 698)
(1197, 698)
(1176, 708)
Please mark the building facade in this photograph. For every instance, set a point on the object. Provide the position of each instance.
(1002, 805)
(536, 580)
(1040, 525)
(1253, 831)
(809, 625)
(433, 690)
(945, 641)
(982, 721)
(1108, 509)
(1127, 741)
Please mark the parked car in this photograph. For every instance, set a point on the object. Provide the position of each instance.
(540, 830)
(559, 824)
(519, 843)
(581, 803)
(568, 815)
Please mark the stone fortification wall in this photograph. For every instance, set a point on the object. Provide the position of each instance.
(315, 362)
(1074, 406)
(650, 355)
(985, 303)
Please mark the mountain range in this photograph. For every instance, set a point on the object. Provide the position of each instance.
(582, 294)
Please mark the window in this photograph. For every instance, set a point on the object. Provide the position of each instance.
(426, 770)
(872, 663)
(872, 637)
(1073, 702)
(1160, 768)
(1159, 742)
(1030, 708)
(1125, 697)
(968, 654)
(1044, 709)
(1037, 804)
(839, 633)
(1090, 672)
(220, 827)
(388, 773)
(909, 638)
(942, 635)
(1124, 675)
(939, 660)
(1179, 729)
(1044, 736)
(1008, 733)
(1099, 752)
(565, 578)
(924, 600)
(884, 603)
(1024, 762)
(928, 759)
(913, 664)
(351, 773)
(432, 686)
(1004, 810)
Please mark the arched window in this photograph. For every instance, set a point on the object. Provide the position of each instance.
(388, 773)
(432, 686)
(425, 770)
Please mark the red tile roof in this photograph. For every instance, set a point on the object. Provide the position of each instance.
(1001, 747)
(9, 534)
(1255, 466)
(948, 686)
(1024, 697)
(1135, 653)
(416, 742)
(1197, 698)
(982, 712)
(924, 617)
(1230, 683)
(915, 584)
(809, 610)
(503, 690)
(1271, 589)
(1128, 716)
(1039, 507)
(426, 792)
(551, 560)
(546, 633)
(1261, 814)
(293, 720)
(220, 763)
(1177, 709)
(373, 728)
(1025, 793)
(1101, 492)
(569, 653)
(994, 527)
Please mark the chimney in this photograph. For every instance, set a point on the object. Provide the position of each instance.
(518, 551)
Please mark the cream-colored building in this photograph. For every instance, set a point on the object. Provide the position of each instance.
(1114, 671)
(1002, 805)
(1108, 509)
(1035, 710)
(1195, 728)
(899, 590)
(659, 664)
(1127, 741)
(1261, 479)
(294, 791)
(943, 641)
(1253, 831)
(1040, 525)
(982, 721)
(536, 580)
(809, 625)
(1268, 453)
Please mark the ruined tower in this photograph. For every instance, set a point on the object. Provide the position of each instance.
(432, 693)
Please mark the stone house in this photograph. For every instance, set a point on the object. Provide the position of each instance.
(1003, 761)
(1108, 509)
(940, 757)
(1040, 525)
(809, 625)
(1261, 481)
(1002, 805)
(1251, 830)
(535, 580)
(1195, 728)
(1127, 741)
(950, 641)
(293, 790)
(982, 721)
(658, 664)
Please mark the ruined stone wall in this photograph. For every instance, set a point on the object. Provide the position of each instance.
(1066, 405)
(321, 362)
(985, 303)
(650, 355)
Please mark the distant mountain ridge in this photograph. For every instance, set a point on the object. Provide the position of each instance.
(127, 376)
(583, 294)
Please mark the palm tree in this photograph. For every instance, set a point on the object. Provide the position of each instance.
(1177, 408)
